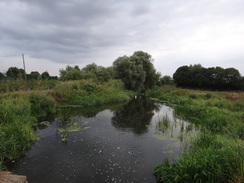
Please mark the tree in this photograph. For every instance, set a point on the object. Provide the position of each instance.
(166, 80)
(15, 73)
(181, 76)
(216, 78)
(97, 73)
(232, 79)
(45, 75)
(137, 71)
(34, 75)
(70, 73)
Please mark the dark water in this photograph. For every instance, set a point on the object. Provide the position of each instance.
(116, 144)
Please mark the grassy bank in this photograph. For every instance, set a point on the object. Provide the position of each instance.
(217, 153)
(23, 109)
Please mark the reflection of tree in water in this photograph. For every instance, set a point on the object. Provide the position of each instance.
(136, 115)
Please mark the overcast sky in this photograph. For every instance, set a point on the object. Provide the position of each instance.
(55, 33)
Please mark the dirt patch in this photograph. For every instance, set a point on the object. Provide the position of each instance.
(8, 177)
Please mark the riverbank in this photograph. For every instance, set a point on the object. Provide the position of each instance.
(23, 109)
(217, 153)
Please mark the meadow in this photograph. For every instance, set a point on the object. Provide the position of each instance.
(216, 154)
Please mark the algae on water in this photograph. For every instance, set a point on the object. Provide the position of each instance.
(70, 128)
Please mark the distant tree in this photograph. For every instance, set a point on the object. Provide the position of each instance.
(232, 79)
(70, 73)
(34, 75)
(137, 71)
(2, 77)
(15, 73)
(166, 80)
(182, 76)
(216, 78)
(45, 75)
(95, 72)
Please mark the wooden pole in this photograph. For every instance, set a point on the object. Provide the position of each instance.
(24, 65)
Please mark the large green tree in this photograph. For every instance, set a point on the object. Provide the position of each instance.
(137, 71)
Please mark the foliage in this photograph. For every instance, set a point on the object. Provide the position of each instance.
(34, 75)
(97, 73)
(15, 73)
(15, 110)
(218, 78)
(21, 85)
(70, 73)
(18, 116)
(215, 159)
(166, 80)
(2, 76)
(137, 71)
(87, 93)
(45, 75)
(14, 139)
(217, 154)
(41, 105)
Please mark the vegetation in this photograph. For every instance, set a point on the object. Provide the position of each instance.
(22, 110)
(137, 71)
(14, 73)
(217, 154)
(91, 71)
(18, 118)
(215, 78)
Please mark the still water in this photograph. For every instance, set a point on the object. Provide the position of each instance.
(120, 143)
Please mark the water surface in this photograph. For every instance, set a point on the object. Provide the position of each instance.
(112, 144)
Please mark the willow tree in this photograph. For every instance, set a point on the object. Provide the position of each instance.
(137, 71)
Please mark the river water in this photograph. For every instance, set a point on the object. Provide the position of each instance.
(121, 143)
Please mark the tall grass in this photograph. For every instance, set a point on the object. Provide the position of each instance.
(19, 115)
(217, 154)
(88, 93)
(215, 159)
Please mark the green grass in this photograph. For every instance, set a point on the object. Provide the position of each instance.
(217, 154)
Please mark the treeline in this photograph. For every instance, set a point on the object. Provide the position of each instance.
(213, 78)
(138, 74)
(136, 71)
(14, 73)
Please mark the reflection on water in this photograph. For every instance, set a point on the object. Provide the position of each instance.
(116, 144)
(135, 116)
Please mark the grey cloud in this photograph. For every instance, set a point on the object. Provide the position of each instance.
(99, 30)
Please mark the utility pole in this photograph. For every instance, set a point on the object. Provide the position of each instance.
(24, 66)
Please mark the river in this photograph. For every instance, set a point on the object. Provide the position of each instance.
(116, 143)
